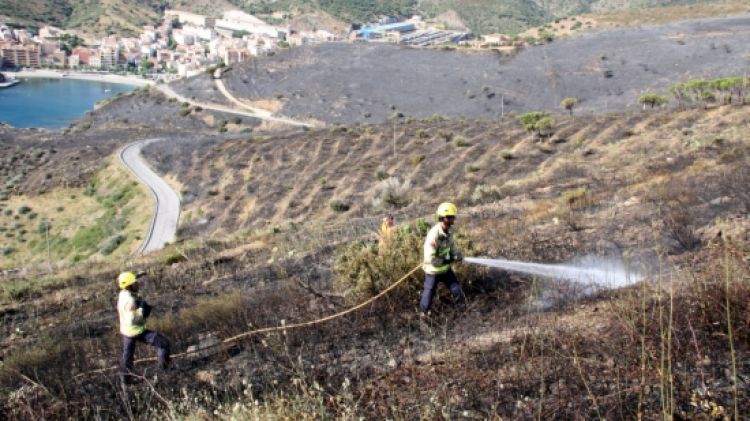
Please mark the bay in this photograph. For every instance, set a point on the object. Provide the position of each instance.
(53, 103)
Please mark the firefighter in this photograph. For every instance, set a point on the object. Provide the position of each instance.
(439, 253)
(133, 312)
(386, 230)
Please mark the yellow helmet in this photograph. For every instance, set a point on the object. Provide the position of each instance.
(126, 279)
(446, 209)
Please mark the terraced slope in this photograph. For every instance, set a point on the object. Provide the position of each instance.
(252, 182)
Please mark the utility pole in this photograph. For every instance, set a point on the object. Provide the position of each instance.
(502, 106)
(46, 235)
(394, 137)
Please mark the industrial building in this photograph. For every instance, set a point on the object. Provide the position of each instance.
(385, 31)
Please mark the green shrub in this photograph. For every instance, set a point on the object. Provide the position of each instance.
(173, 257)
(462, 143)
(363, 269)
(472, 168)
(652, 99)
(417, 159)
(339, 206)
(184, 112)
(43, 226)
(112, 244)
(506, 155)
(577, 199)
(24, 209)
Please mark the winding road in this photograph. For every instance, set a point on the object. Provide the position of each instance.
(163, 227)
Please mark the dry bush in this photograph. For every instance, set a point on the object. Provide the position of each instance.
(484, 193)
(391, 193)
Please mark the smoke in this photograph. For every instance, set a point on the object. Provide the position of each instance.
(591, 272)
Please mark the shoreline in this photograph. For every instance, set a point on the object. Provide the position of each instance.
(96, 77)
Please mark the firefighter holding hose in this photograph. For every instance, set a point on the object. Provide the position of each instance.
(133, 312)
(439, 252)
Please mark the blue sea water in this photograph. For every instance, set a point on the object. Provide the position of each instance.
(52, 103)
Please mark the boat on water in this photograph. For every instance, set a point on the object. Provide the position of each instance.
(7, 81)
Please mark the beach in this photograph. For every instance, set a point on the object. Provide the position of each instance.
(98, 77)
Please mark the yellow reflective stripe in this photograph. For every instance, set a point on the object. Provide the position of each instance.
(134, 330)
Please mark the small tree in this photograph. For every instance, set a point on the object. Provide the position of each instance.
(679, 93)
(568, 104)
(537, 121)
(652, 99)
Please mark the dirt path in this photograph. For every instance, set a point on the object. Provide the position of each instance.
(255, 113)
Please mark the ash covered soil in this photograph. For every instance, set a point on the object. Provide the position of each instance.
(606, 71)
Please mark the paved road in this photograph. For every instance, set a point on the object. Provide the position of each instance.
(252, 112)
(166, 202)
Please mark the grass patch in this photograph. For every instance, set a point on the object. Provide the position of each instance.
(103, 219)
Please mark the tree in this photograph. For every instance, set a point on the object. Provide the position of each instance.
(700, 90)
(679, 93)
(537, 121)
(568, 104)
(652, 99)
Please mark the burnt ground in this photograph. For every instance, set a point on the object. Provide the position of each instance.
(606, 71)
(667, 185)
(200, 87)
(662, 187)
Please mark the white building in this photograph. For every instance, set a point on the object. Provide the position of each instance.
(49, 32)
(205, 34)
(237, 21)
(5, 33)
(148, 34)
(181, 38)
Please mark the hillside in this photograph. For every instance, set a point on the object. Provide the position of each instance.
(606, 71)
(664, 188)
(280, 304)
(481, 16)
(121, 17)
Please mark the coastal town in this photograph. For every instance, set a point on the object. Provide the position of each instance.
(185, 44)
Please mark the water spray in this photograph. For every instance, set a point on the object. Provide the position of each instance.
(589, 271)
